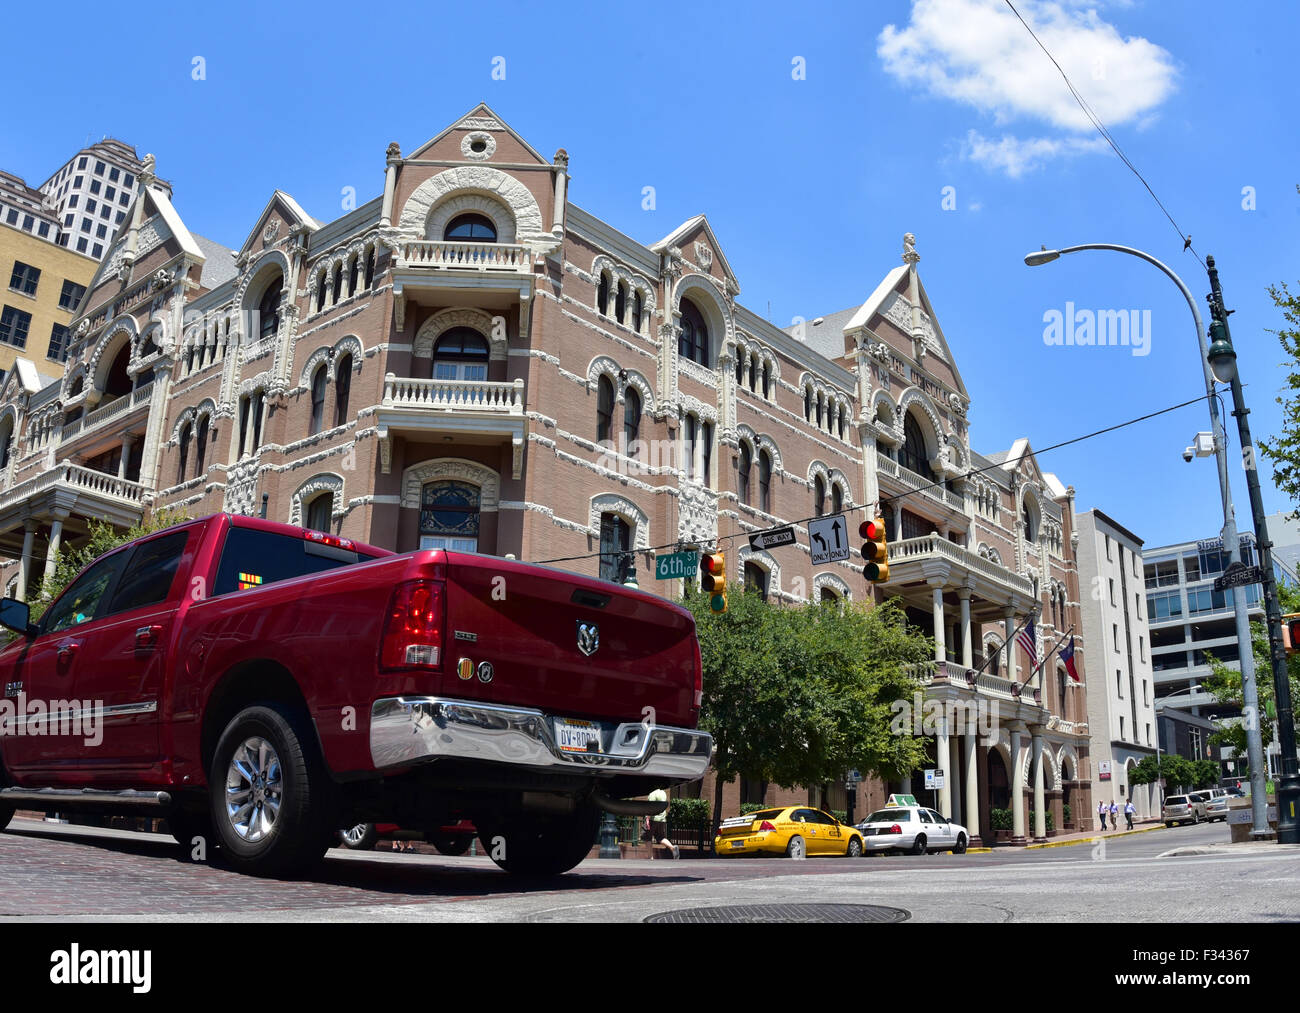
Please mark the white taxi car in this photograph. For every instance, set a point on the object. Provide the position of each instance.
(913, 829)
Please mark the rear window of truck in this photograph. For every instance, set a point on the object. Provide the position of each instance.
(251, 558)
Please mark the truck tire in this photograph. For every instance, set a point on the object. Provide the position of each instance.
(542, 845)
(271, 798)
(6, 811)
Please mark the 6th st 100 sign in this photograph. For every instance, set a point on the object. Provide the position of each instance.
(676, 565)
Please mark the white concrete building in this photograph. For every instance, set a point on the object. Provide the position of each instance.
(1121, 691)
(90, 194)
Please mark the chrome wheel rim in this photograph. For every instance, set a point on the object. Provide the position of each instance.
(354, 835)
(254, 790)
(796, 848)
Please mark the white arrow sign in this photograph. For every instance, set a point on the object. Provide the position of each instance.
(828, 538)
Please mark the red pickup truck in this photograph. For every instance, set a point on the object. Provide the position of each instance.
(262, 685)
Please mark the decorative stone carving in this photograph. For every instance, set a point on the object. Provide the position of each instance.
(910, 256)
(269, 233)
(485, 142)
(330, 483)
(162, 279)
(697, 514)
(703, 255)
(609, 502)
(955, 403)
(417, 475)
(444, 320)
(394, 152)
(483, 178)
(241, 488)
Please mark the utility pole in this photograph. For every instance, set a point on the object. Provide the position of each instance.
(1223, 360)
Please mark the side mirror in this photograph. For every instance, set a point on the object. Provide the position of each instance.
(15, 615)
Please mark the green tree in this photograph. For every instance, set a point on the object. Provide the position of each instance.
(1177, 771)
(1224, 683)
(800, 694)
(102, 538)
(1283, 450)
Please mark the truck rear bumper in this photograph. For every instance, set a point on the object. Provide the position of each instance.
(411, 729)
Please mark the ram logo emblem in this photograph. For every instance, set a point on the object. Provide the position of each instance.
(588, 637)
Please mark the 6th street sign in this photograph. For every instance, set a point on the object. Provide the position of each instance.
(828, 538)
(1238, 574)
(677, 564)
(771, 539)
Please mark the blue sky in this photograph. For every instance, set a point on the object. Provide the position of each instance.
(809, 183)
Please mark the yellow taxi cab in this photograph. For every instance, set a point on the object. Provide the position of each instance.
(797, 831)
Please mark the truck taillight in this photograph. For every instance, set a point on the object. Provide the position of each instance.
(323, 539)
(413, 634)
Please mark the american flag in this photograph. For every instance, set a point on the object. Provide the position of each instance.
(1025, 638)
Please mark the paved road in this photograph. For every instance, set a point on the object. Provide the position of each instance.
(50, 872)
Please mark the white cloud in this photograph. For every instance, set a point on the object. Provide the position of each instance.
(976, 52)
(1016, 156)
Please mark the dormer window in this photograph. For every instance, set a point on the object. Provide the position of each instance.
(471, 227)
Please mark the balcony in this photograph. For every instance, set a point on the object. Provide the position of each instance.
(67, 490)
(112, 411)
(470, 411)
(451, 255)
(909, 479)
(913, 561)
(491, 276)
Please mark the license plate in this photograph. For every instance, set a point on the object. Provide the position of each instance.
(737, 844)
(573, 735)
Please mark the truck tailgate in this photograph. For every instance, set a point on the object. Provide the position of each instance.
(567, 644)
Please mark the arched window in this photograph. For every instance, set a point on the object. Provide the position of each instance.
(353, 264)
(615, 543)
(370, 267)
(819, 496)
(753, 374)
(201, 448)
(765, 481)
(449, 516)
(620, 302)
(842, 413)
(746, 460)
(185, 453)
(740, 369)
(1060, 689)
(807, 404)
(706, 453)
(342, 389)
(602, 294)
(837, 499)
(631, 420)
(250, 422)
(690, 430)
(995, 663)
(604, 409)
(318, 383)
(1030, 521)
(338, 283)
(319, 512)
(756, 579)
(638, 309)
(821, 410)
(693, 343)
(913, 455)
(767, 380)
(268, 309)
(475, 227)
(460, 354)
(118, 383)
(6, 442)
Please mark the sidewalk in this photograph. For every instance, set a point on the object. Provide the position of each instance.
(1083, 837)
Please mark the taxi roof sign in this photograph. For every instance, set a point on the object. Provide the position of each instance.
(902, 800)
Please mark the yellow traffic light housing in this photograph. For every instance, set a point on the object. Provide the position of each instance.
(874, 550)
(713, 580)
(1291, 632)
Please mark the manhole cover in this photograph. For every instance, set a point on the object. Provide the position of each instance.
(833, 914)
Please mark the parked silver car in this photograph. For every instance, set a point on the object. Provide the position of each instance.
(1213, 806)
(1182, 809)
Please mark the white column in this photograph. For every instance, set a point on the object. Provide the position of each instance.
(56, 533)
(939, 652)
(953, 763)
(1009, 624)
(941, 758)
(967, 654)
(25, 565)
(972, 781)
(1040, 817)
(127, 441)
(1017, 784)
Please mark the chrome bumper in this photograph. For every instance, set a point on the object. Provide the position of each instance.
(405, 730)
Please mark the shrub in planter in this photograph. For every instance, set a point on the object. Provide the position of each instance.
(1066, 812)
(689, 812)
(1000, 819)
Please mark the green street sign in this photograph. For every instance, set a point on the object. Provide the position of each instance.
(676, 565)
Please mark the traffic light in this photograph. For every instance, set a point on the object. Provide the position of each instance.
(1291, 632)
(714, 580)
(874, 550)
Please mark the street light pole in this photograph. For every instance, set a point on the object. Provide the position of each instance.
(1231, 543)
(1223, 360)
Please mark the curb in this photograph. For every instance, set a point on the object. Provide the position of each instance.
(1094, 840)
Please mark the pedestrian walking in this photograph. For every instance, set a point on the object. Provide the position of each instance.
(1101, 814)
(1114, 815)
(658, 825)
(1128, 813)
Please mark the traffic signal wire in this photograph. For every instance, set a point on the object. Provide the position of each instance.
(874, 507)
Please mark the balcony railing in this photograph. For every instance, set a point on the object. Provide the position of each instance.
(487, 396)
(465, 256)
(914, 481)
(108, 412)
(934, 545)
(951, 673)
(76, 477)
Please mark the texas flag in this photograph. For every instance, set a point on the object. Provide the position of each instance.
(1067, 655)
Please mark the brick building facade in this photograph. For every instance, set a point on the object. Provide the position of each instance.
(472, 361)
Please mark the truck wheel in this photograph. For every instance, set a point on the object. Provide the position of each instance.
(543, 845)
(270, 793)
(6, 811)
(450, 844)
(362, 837)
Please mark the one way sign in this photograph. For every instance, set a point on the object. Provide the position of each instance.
(828, 537)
